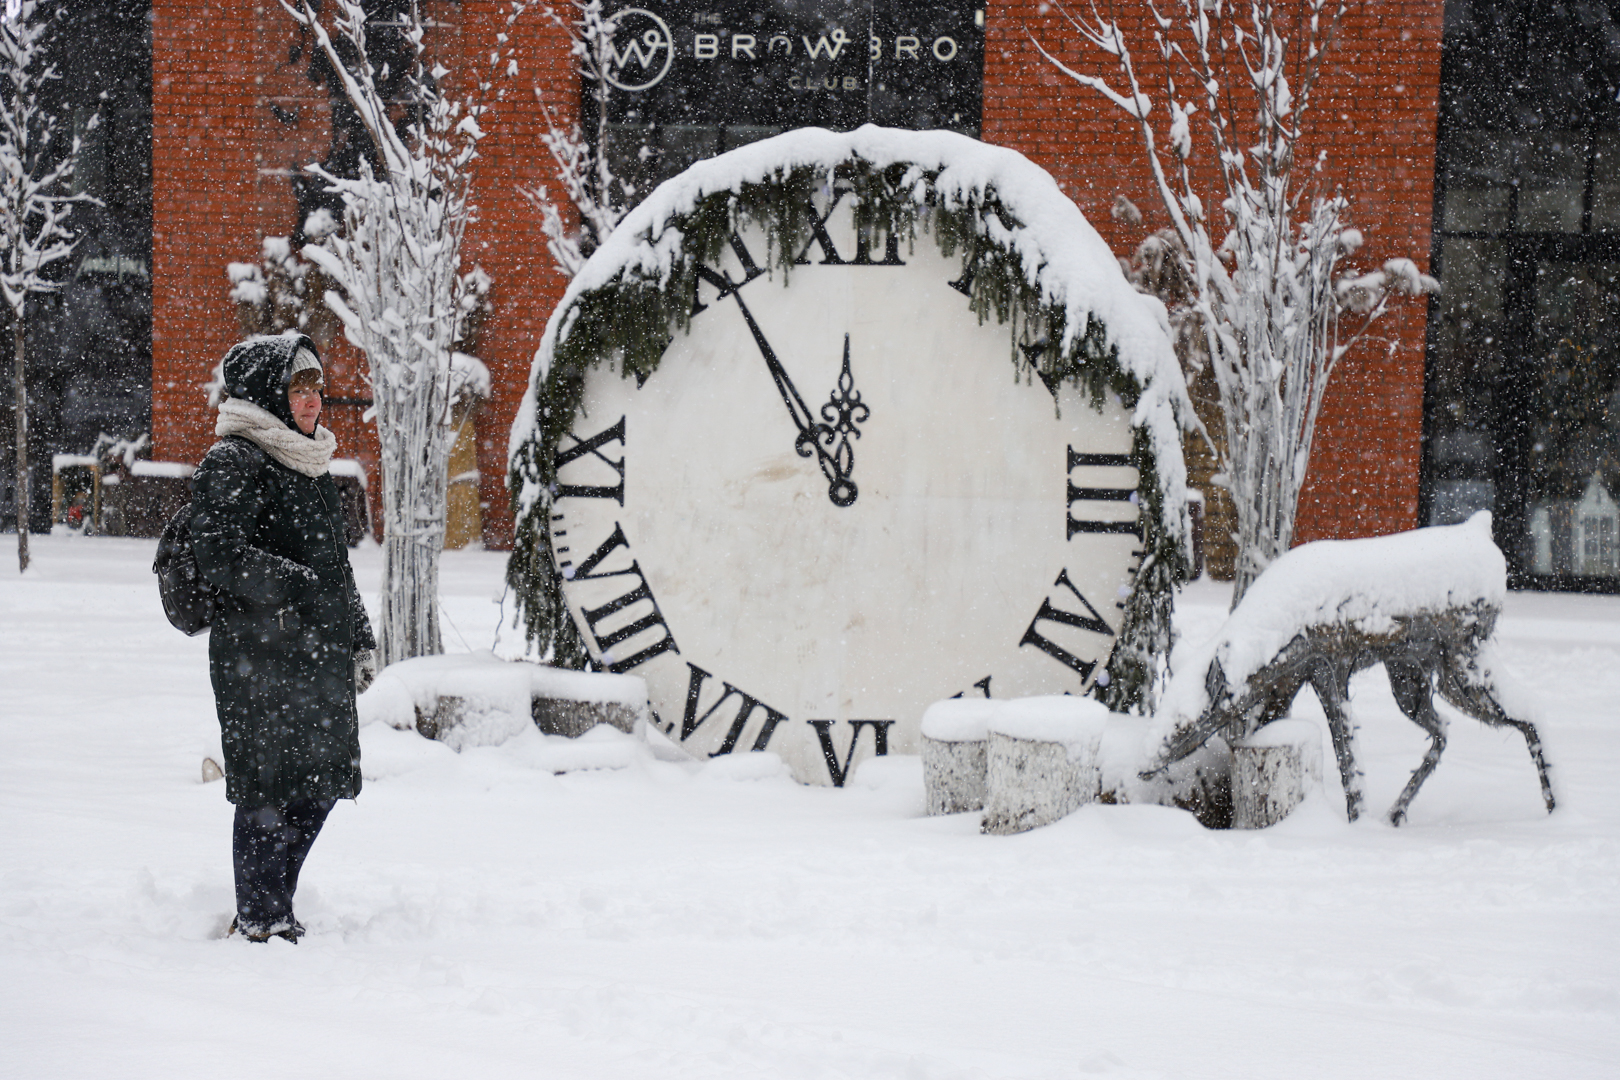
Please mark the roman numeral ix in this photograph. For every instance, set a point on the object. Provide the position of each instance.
(593, 446)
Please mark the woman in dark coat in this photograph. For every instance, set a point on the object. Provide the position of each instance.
(289, 637)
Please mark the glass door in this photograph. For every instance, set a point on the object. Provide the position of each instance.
(1572, 426)
(1522, 396)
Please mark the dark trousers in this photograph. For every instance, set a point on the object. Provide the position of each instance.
(269, 844)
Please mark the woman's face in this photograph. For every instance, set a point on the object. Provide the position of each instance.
(304, 395)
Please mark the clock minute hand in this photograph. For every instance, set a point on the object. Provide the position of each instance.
(814, 438)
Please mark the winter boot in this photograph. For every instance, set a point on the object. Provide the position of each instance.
(251, 932)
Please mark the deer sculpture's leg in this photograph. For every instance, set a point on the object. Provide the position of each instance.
(1412, 683)
(1463, 689)
(1332, 685)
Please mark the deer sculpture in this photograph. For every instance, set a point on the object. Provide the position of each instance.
(1424, 604)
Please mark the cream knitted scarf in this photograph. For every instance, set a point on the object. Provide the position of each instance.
(299, 452)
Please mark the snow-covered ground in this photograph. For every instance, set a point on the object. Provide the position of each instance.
(479, 916)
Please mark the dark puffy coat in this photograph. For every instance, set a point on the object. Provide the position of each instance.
(285, 632)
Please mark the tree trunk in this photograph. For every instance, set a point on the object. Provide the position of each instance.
(410, 610)
(414, 468)
(19, 400)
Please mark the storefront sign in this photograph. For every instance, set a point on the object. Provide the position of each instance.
(828, 63)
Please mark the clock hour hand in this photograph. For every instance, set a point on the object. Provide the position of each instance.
(817, 438)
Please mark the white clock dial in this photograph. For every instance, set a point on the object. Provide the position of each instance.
(833, 504)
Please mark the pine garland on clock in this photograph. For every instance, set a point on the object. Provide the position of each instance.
(838, 425)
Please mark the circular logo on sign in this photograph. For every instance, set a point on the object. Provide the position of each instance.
(640, 51)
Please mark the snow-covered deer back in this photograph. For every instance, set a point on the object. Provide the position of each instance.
(1422, 603)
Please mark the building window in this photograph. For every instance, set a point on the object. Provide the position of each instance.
(1522, 404)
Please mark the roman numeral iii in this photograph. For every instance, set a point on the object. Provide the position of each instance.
(1100, 497)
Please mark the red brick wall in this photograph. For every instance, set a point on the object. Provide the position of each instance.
(1375, 116)
(220, 161)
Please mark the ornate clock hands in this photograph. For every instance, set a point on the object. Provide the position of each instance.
(828, 441)
(842, 412)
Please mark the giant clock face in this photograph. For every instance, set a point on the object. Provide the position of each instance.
(833, 504)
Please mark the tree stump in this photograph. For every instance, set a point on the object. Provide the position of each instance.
(570, 703)
(954, 735)
(1272, 772)
(1042, 761)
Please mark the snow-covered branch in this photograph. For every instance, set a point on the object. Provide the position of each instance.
(401, 294)
(592, 191)
(1270, 298)
(35, 203)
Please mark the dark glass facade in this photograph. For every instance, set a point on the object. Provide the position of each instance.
(89, 344)
(1522, 408)
(690, 79)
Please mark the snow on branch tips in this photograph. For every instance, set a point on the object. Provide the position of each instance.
(1269, 298)
(595, 195)
(36, 171)
(401, 293)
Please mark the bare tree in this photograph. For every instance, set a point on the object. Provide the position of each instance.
(1274, 308)
(596, 195)
(404, 297)
(34, 205)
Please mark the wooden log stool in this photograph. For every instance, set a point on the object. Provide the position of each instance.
(954, 735)
(1042, 761)
(1272, 772)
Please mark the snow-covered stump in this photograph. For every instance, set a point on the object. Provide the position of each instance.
(1042, 761)
(472, 704)
(573, 702)
(955, 735)
(1272, 772)
(475, 699)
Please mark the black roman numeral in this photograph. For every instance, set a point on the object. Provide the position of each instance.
(593, 446)
(982, 685)
(1032, 352)
(638, 593)
(840, 771)
(723, 285)
(746, 705)
(820, 237)
(1132, 527)
(1052, 614)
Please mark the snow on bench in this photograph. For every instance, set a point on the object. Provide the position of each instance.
(476, 699)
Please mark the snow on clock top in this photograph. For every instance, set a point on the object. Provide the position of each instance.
(1061, 256)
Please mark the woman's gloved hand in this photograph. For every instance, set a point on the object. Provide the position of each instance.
(365, 670)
